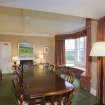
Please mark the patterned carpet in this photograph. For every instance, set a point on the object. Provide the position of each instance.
(7, 97)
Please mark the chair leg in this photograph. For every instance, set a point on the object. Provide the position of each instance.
(21, 100)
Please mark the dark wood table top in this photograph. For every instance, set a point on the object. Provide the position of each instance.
(41, 83)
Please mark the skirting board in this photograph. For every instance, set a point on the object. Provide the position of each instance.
(93, 91)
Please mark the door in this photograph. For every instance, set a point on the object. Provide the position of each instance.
(5, 57)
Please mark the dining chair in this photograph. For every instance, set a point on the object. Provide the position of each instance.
(59, 70)
(24, 99)
(71, 77)
(59, 98)
(0, 75)
(17, 89)
(36, 100)
(19, 73)
(51, 67)
(46, 66)
(63, 73)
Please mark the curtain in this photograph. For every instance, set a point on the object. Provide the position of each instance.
(60, 45)
(59, 52)
(72, 36)
(86, 76)
(88, 47)
(88, 58)
(101, 37)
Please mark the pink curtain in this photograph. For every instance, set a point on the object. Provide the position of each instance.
(101, 37)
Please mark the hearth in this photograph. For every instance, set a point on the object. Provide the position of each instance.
(27, 64)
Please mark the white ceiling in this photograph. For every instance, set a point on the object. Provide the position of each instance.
(83, 8)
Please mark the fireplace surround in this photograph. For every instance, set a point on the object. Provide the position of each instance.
(26, 64)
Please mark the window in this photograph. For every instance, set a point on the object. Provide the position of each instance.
(75, 52)
(70, 51)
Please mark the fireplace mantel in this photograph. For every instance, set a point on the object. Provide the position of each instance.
(26, 58)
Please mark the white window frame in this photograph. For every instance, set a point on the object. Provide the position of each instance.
(76, 64)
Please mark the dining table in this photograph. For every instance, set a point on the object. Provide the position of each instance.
(40, 83)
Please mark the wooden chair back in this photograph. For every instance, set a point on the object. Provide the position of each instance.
(23, 98)
(19, 73)
(59, 98)
(17, 89)
(71, 77)
(0, 75)
(17, 86)
(51, 67)
(38, 100)
(66, 74)
(59, 71)
(46, 66)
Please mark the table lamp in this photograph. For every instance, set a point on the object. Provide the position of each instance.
(41, 57)
(98, 50)
(14, 60)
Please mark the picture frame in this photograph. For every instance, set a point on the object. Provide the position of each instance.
(45, 50)
(25, 49)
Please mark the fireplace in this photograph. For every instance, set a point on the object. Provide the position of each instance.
(27, 64)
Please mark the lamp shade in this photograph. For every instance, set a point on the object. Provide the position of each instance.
(41, 56)
(14, 58)
(98, 49)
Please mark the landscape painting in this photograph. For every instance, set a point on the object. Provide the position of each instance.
(25, 50)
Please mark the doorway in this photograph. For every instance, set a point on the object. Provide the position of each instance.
(5, 57)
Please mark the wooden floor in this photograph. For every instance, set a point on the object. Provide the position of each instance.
(81, 97)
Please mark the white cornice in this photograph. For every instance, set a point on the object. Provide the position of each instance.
(26, 34)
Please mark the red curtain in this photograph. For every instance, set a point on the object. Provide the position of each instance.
(59, 52)
(86, 76)
(72, 36)
(60, 45)
(88, 47)
(101, 37)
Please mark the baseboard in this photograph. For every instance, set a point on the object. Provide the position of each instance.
(93, 91)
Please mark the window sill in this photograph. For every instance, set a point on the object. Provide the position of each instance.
(75, 67)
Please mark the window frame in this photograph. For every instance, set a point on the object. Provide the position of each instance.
(76, 49)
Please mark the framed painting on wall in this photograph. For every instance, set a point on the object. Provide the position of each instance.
(25, 50)
(45, 50)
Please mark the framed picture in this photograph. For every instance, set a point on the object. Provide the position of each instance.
(25, 50)
(45, 50)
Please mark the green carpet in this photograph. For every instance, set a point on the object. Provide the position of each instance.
(7, 97)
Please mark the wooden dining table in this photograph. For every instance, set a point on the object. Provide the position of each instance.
(39, 82)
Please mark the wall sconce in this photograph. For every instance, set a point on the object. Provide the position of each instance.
(41, 56)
